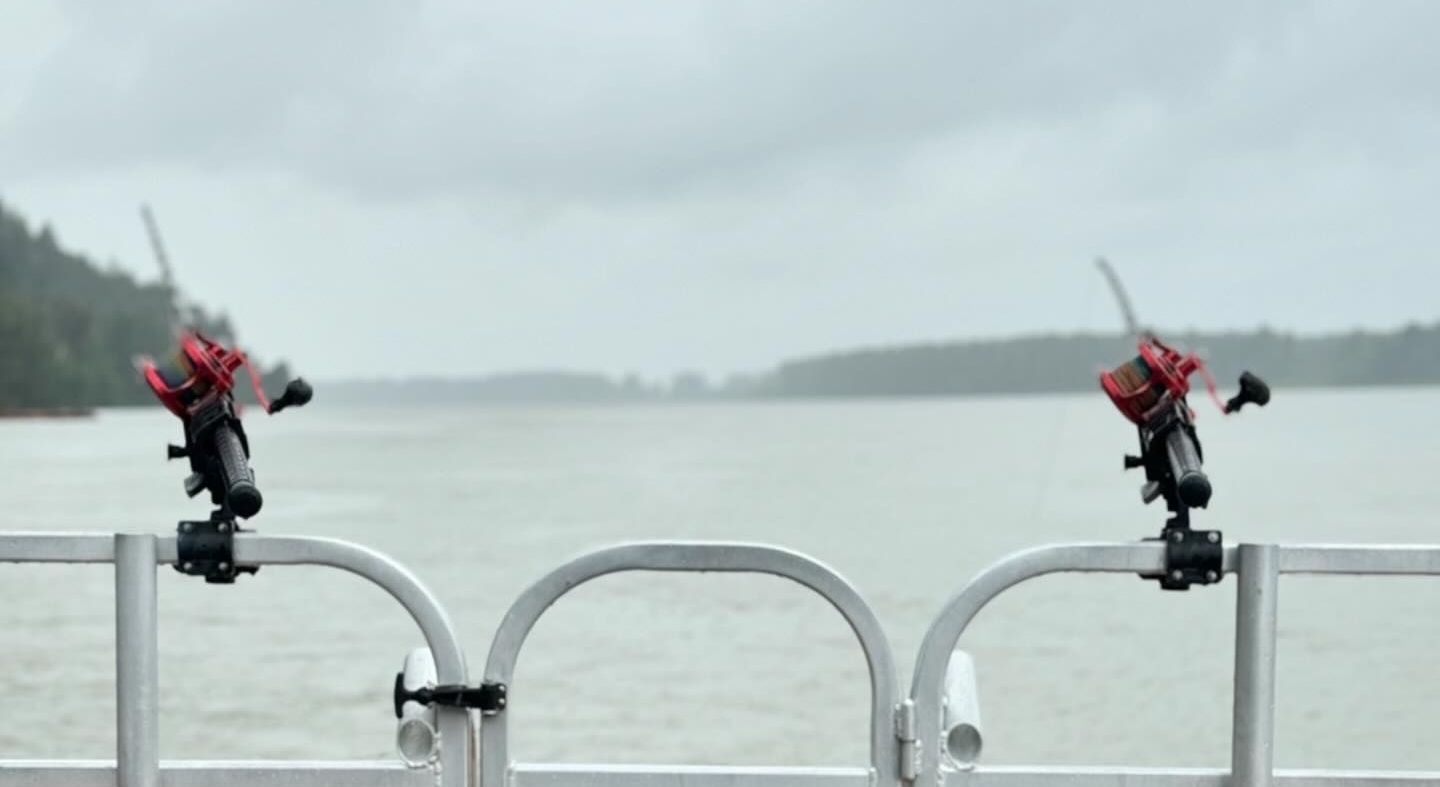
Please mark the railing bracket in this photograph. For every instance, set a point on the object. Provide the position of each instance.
(207, 549)
(906, 733)
(488, 698)
(1192, 557)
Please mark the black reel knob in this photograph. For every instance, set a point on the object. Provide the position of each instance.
(1253, 390)
(297, 394)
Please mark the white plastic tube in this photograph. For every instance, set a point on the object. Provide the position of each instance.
(415, 733)
(961, 714)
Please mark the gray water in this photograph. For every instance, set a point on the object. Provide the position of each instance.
(906, 499)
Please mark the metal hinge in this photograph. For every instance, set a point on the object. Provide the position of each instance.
(909, 765)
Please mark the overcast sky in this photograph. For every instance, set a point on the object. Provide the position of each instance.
(388, 187)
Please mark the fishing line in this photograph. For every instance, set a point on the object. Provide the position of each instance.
(1047, 472)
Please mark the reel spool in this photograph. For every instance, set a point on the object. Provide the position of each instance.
(202, 369)
(1158, 374)
(199, 369)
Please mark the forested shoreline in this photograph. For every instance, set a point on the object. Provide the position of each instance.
(70, 329)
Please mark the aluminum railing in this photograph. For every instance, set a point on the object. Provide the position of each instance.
(908, 735)
(137, 684)
(1258, 568)
(706, 557)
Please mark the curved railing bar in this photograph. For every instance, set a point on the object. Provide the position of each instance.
(407, 589)
(258, 550)
(393, 578)
(927, 681)
(698, 556)
(1146, 558)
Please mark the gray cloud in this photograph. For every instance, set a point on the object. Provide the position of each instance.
(617, 99)
(653, 185)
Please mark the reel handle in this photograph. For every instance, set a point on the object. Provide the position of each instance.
(1253, 390)
(297, 394)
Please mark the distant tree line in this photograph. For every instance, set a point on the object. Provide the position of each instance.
(528, 387)
(1071, 363)
(1037, 364)
(71, 329)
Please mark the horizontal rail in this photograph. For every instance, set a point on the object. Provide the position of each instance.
(531, 775)
(218, 773)
(1411, 559)
(71, 548)
(203, 773)
(1003, 776)
(1357, 559)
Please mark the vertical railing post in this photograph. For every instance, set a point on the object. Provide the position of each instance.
(1252, 755)
(137, 663)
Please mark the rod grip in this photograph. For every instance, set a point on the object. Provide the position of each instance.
(236, 478)
(1191, 484)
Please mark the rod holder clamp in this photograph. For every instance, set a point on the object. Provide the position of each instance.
(1192, 557)
(206, 548)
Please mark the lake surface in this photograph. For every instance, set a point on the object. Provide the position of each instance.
(907, 499)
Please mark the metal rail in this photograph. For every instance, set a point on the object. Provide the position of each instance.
(697, 556)
(136, 653)
(906, 732)
(1258, 568)
(137, 663)
(1186, 777)
(1004, 776)
(217, 773)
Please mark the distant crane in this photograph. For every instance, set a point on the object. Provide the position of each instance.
(167, 274)
(182, 318)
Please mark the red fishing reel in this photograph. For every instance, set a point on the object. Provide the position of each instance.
(196, 385)
(1157, 375)
(200, 370)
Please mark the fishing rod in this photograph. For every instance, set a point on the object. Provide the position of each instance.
(1132, 326)
(1151, 390)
